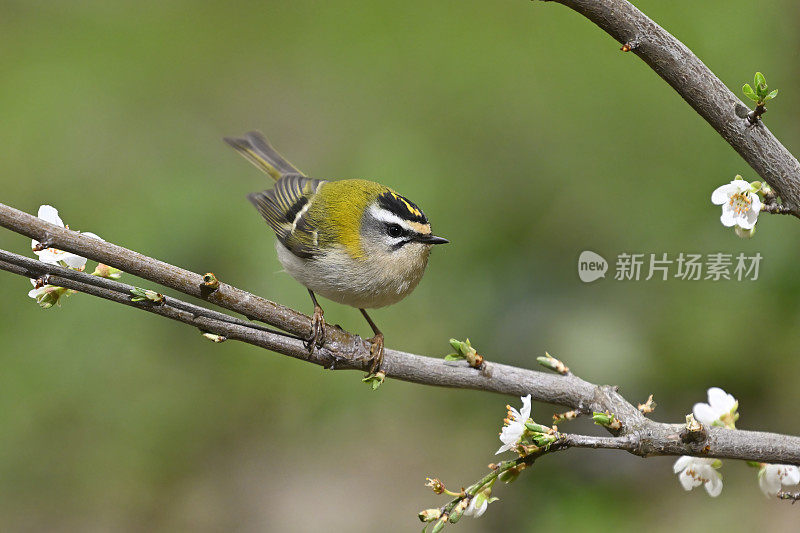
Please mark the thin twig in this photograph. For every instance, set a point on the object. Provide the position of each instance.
(176, 310)
(35, 269)
(776, 209)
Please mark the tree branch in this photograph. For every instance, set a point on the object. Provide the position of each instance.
(342, 350)
(701, 89)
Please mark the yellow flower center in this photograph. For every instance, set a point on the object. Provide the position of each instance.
(740, 203)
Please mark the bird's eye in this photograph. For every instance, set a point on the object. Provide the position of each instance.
(394, 230)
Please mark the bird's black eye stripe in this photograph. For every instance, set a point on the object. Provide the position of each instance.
(395, 230)
(396, 246)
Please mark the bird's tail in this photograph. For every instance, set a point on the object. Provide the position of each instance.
(256, 149)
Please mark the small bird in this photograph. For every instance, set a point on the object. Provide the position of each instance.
(353, 241)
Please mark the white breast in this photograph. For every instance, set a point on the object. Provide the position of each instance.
(367, 283)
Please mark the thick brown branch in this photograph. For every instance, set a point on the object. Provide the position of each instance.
(701, 89)
(184, 281)
(638, 434)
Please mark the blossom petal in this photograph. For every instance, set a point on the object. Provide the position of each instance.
(74, 261)
(714, 485)
(728, 217)
(526, 408)
(723, 193)
(768, 482)
(50, 256)
(470, 510)
(511, 434)
(476, 512)
(482, 509)
(687, 481)
(682, 462)
(704, 414)
(756, 205)
(719, 400)
(503, 448)
(745, 223)
(748, 221)
(49, 213)
(792, 475)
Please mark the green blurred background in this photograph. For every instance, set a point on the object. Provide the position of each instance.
(525, 135)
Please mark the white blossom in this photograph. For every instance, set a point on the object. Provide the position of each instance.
(47, 295)
(719, 411)
(772, 477)
(740, 205)
(55, 256)
(695, 471)
(514, 425)
(476, 508)
(36, 292)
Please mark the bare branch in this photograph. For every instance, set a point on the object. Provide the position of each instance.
(694, 81)
(637, 435)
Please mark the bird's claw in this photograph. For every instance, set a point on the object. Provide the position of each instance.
(376, 351)
(317, 337)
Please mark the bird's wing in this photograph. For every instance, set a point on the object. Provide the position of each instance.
(256, 148)
(285, 207)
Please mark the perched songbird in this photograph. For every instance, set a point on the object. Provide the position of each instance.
(352, 241)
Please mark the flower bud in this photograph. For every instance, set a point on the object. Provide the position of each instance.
(50, 296)
(481, 498)
(105, 271)
(540, 439)
(439, 525)
(606, 419)
(537, 428)
(213, 337)
(140, 295)
(745, 233)
(429, 515)
(509, 476)
(548, 361)
(458, 510)
(464, 350)
(375, 380)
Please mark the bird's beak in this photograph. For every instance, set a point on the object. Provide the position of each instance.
(431, 239)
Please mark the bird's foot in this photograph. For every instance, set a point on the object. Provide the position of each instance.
(317, 337)
(376, 351)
